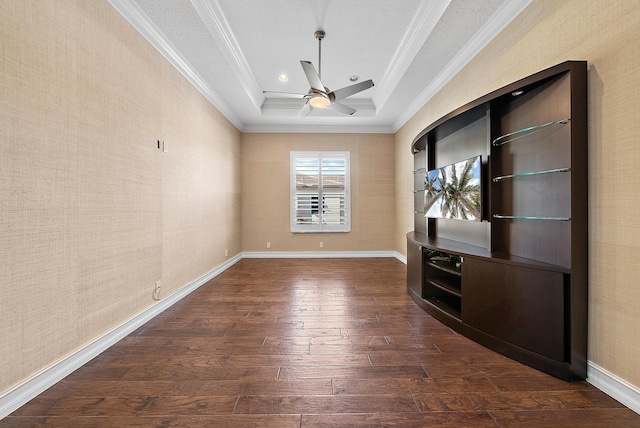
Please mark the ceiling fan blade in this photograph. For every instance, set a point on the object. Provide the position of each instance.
(312, 76)
(284, 94)
(341, 108)
(342, 93)
(305, 110)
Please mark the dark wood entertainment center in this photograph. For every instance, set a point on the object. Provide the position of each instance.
(516, 281)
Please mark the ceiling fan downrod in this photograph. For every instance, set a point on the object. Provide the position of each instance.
(319, 35)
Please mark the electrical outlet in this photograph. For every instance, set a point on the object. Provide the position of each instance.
(321, 244)
(165, 146)
(226, 253)
(156, 291)
(268, 244)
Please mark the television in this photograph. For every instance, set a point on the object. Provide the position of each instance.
(454, 191)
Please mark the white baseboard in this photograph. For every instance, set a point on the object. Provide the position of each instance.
(320, 254)
(610, 384)
(37, 384)
(617, 388)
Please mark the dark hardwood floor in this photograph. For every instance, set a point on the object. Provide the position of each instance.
(308, 343)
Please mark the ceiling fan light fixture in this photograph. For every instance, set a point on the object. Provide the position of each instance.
(319, 96)
(319, 101)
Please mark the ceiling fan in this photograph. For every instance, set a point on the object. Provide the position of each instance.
(320, 96)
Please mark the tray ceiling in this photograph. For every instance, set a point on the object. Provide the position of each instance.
(233, 50)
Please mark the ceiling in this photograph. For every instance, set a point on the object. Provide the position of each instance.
(233, 50)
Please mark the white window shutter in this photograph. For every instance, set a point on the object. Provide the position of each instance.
(320, 192)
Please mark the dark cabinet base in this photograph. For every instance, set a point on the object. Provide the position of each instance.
(517, 307)
(559, 369)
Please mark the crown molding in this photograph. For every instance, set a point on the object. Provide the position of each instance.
(479, 41)
(317, 128)
(217, 25)
(423, 23)
(132, 13)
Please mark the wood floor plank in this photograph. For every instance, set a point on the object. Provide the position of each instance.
(433, 358)
(412, 386)
(535, 383)
(325, 404)
(571, 418)
(310, 343)
(124, 388)
(527, 400)
(146, 360)
(301, 360)
(182, 373)
(282, 331)
(359, 372)
(408, 420)
(145, 405)
(175, 421)
(275, 388)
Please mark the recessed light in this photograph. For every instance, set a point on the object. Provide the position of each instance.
(283, 78)
(516, 93)
(354, 78)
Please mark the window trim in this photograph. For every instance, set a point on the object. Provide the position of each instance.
(295, 227)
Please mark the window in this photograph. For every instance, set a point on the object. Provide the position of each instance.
(320, 192)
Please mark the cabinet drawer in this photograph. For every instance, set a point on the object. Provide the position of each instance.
(522, 306)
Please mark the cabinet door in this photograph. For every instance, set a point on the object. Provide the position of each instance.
(414, 267)
(520, 305)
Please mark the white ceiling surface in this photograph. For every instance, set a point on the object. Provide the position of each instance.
(233, 50)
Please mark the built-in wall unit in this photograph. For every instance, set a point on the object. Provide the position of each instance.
(499, 246)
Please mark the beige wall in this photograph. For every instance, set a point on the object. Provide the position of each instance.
(266, 192)
(607, 35)
(91, 212)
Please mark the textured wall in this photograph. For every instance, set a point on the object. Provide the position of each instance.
(607, 35)
(91, 212)
(266, 192)
(404, 185)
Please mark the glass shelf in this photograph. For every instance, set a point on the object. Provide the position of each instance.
(512, 136)
(418, 191)
(415, 171)
(527, 174)
(418, 212)
(527, 217)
